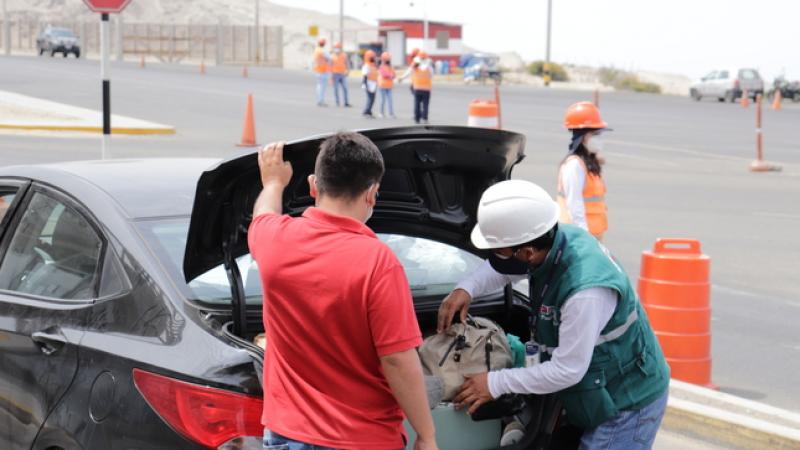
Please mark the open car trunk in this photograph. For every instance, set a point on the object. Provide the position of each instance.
(434, 179)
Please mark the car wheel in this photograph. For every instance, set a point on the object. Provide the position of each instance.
(41, 51)
(721, 99)
(695, 95)
(65, 53)
(77, 53)
(729, 96)
(52, 53)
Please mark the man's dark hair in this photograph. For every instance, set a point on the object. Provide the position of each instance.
(543, 242)
(347, 165)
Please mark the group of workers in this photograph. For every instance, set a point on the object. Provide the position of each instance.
(377, 76)
(341, 367)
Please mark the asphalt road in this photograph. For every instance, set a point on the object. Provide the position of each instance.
(676, 168)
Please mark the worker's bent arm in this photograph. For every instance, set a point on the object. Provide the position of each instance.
(269, 201)
(403, 371)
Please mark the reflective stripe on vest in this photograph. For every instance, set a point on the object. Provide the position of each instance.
(594, 201)
(614, 334)
(339, 62)
(422, 79)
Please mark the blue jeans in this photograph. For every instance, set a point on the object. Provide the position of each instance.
(629, 430)
(322, 84)
(421, 101)
(370, 102)
(274, 441)
(340, 80)
(386, 96)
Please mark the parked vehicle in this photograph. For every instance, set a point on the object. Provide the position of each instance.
(127, 313)
(728, 85)
(58, 40)
(481, 67)
(790, 90)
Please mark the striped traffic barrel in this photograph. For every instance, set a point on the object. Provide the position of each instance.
(483, 114)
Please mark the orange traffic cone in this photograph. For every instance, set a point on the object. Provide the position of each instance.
(776, 103)
(249, 130)
(141, 62)
(202, 68)
(245, 74)
(745, 99)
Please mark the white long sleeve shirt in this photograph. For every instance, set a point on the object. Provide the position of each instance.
(573, 180)
(583, 317)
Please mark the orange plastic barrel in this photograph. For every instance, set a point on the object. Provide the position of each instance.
(483, 113)
(675, 291)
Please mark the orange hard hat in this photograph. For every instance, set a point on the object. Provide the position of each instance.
(337, 45)
(422, 54)
(321, 41)
(414, 52)
(583, 115)
(369, 54)
(385, 56)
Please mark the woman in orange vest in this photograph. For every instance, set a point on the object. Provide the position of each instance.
(340, 68)
(322, 68)
(581, 190)
(370, 83)
(386, 76)
(421, 82)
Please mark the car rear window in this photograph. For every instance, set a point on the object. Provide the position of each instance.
(432, 268)
(748, 74)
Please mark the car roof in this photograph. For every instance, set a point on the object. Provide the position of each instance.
(154, 187)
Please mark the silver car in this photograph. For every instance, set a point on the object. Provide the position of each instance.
(728, 84)
(58, 40)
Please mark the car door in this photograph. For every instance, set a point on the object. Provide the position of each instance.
(706, 82)
(49, 272)
(723, 83)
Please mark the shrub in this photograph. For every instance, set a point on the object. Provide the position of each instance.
(626, 81)
(557, 71)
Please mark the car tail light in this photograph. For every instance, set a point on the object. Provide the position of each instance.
(214, 418)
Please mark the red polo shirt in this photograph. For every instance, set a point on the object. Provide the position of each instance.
(336, 299)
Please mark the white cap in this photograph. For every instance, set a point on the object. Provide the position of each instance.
(513, 212)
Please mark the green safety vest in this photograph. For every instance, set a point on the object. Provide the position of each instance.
(628, 370)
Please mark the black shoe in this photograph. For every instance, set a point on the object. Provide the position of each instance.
(348, 105)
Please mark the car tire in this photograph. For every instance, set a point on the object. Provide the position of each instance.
(65, 53)
(721, 99)
(77, 54)
(729, 96)
(52, 53)
(695, 95)
(41, 51)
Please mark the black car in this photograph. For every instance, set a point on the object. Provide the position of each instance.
(58, 40)
(129, 303)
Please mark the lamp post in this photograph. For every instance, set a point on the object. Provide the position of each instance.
(547, 76)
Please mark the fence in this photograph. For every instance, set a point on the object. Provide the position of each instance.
(223, 44)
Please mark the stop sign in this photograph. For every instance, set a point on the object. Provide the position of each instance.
(107, 6)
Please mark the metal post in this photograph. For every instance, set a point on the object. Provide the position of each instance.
(341, 21)
(499, 109)
(759, 133)
(6, 30)
(220, 45)
(256, 40)
(425, 26)
(104, 44)
(547, 76)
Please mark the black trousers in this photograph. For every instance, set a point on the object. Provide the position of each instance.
(421, 101)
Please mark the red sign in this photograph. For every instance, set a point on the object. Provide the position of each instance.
(107, 6)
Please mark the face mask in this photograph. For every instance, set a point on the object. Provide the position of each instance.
(595, 144)
(507, 266)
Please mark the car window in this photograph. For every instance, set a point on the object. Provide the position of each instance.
(6, 199)
(62, 33)
(723, 75)
(54, 253)
(432, 268)
(711, 75)
(747, 74)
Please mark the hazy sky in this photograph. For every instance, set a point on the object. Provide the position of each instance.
(690, 37)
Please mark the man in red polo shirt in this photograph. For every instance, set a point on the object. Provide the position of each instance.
(340, 365)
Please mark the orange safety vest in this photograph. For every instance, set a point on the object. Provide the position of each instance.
(386, 82)
(320, 62)
(421, 79)
(594, 201)
(372, 72)
(339, 63)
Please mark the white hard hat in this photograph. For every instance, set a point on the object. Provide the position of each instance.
(513, 212)
(417, 59)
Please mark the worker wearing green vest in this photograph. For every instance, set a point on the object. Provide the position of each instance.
(598, 351)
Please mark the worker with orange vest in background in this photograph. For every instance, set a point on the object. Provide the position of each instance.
(581, 190)
(340, 67)
(386, 76)
(321, 65)
(370, 81)
(422, 81)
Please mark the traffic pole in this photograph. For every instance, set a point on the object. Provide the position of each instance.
(104, 76)
(596, 99)
(759, 165)
(497, 100)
